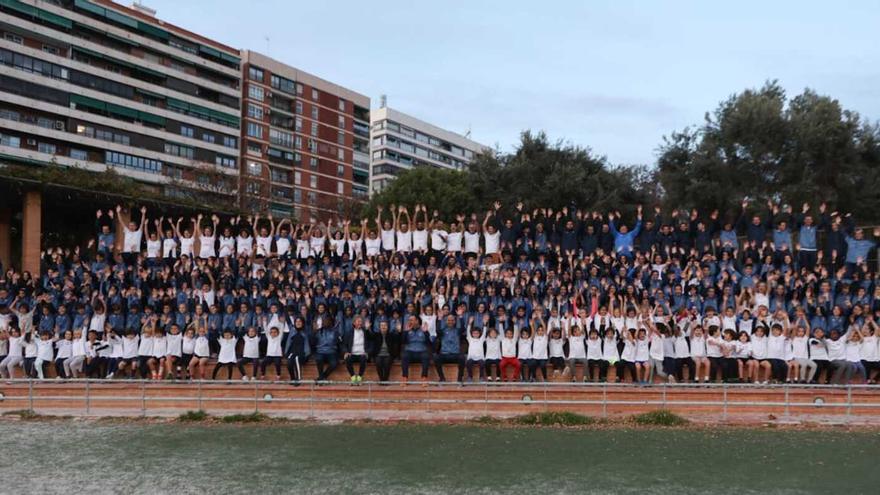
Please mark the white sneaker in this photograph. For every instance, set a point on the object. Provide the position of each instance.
(109, 375)
(244, 378)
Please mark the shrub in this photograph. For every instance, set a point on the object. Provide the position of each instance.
(660, 417)
(554, 418)
(193, 416)
(245, 418)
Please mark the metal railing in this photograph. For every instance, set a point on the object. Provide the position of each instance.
(321, 399)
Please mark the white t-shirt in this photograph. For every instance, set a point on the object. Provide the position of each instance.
(471, 242)
(131, 240)
(438, 239)
(206, 247)
(420, 240)
(227, 350)
(186, 246)
(493, 242)
(388, 240)
(404, 241)
(454, 242)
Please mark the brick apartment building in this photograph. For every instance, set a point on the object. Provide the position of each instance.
(305, 141)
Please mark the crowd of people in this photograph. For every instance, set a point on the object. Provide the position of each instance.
(506, 294)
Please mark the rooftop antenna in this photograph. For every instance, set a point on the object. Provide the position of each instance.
(468, 133)
(383, 101)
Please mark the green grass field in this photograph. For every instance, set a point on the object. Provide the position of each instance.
(50, 456)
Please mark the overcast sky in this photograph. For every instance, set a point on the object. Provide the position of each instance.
(612, 75)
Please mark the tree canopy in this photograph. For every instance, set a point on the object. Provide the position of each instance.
(762, 145)
(758, 144)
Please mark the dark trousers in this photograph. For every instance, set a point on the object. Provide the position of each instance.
(294, 366)
(807, 259)
(29, 367)
(680, 363)
(602, 365)
(626, 365)
(326, 364)
(274, 360)
(253, 361)
(59, 367)
(538, 364)
(217, 368)
(383, 367)
(526, 370)
(408, 356)
(822, 365)
(730, 370)
(493, 363)
(470, 368)
(361, 359)
(441, 359)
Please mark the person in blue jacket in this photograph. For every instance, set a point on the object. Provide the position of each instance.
(623, 237)
(449, 334)
(416, 347)
(326, 342)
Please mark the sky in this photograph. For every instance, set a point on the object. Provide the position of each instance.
(612, 75)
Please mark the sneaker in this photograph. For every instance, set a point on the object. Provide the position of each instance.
(109, 375)
(354, 380)
(359, 378)
(244, 378)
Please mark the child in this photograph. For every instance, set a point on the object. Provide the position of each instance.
(130, 344)
(45, 353)
(702, 365)
(509, 354)
(819, 355)
(557, 353)
(643, 358)
(250, 354)
(273, 353)
(226, 358)
(742, 353)
(116, 351)
(493, 354)
(524, 355)
(805, 368)
(539, 354)
(74, 366)
(476, 354)
(63, 354)
(628, 357)
(160, 350)
(15, 353)
(145, 351)
(761, 368)
(187, 349)
(173, 352)
(30, 354)
(587, 352)
(201, 353)
(611, 356)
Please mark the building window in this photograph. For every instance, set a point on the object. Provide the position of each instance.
(313, 181)
(78, 154)
(340, 153)
(47, 148)
(297, 158)
(50, 49)
(313, 163)
(297, 196)
(179, 150)
(313, 198)
(299, 88)
(297, 178)
(341, 105)
(224, 161)
(342, 122)
(314, 131)
(255, 130)
(298, 143)
(340, 137)
(11, 141)
(255, 92)
(253, 188)
(283, 84)
(314, 94)
(314, 113)
(254, 149)
(279, 175)
(255, 111)
(208, 138)
(255, 74)
(340, 187)
(255, 169)
(133, 162)
(230, 141)
(340, 170)
(313, 146)
(299, 107)
(281, 138)
(187, 131)
(13, 38)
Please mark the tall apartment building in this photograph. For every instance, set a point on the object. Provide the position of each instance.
(97, 85)
(305, 141)
(400, 142)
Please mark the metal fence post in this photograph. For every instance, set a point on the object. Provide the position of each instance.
(848, 400)
(664, 395)
(546, 407)
(786, 399)
(143, 398)
(312, 400)
(88, 397)
(605, 400)
(199, 398)
(486, 400)
(256, 395)
(369, 400)
(31, 395)
(724, 406)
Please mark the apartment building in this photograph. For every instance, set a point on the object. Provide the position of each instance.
(98, 85)
(305, 141)
(400, 142)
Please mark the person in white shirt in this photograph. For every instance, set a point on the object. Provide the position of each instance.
(160, 348)
(540, 343)
(173, 352)
(493, 354)
(702, 365)
(584, 351)
(455, 237)
(762, 368)
(226, 358)
(509, 354)
(15, 353)
(132, 235)
(386, 229)
(403, 234)
(819, 355)
(201, 353)
(420, 230)
(870, 349)
(273, 353)
(128, 358)
(250, 354)
(207, 237)
(63, 353)
(45, 354)
(145, 349)
(227, 243)
(354, 349)
(283, 240)
(800, 352)
(74, 366)
(476, 354)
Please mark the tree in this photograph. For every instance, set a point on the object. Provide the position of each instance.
(762, 145)
(444, 190)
